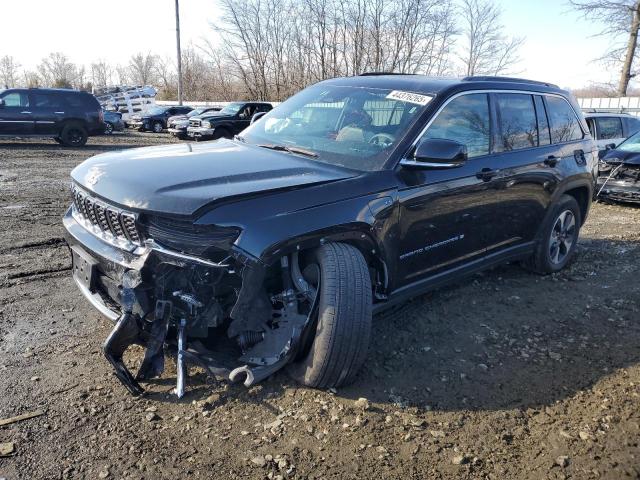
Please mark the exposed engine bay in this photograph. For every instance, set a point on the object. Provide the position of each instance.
(619, 181)
(237, 322)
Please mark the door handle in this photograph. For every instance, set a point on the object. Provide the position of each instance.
(486, 174)
(551, 161)
(26, 113)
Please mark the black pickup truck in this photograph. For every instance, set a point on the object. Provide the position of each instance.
(350, 197)
(155, 119)
(226, 123)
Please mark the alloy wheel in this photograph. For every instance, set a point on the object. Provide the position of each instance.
(563, 236)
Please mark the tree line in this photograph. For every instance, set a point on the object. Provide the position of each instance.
(270, 49)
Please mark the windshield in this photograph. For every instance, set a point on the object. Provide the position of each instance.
(231, 109)
(156, 111)
(195, 112)
(631, 144)
(353, 127)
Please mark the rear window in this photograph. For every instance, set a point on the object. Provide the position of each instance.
(80, 100)
(518, 123)
(47, 100)
(563, 120)
(609, 127)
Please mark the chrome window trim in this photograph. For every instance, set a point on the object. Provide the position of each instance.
(487, 92)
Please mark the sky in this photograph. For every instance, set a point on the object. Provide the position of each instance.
(560, 45)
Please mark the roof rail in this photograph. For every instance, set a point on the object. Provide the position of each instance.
(371, 74)
(488, 78)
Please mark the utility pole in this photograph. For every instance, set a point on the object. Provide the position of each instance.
(179, 54)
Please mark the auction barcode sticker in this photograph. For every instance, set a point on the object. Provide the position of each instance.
(409, 97)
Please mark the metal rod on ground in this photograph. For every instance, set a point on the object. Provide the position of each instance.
(179, 54)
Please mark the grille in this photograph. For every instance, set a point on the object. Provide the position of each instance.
(118, 223)
(194, 123)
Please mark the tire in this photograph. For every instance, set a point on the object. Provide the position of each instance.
(221, 133)
(343, 328)
(57, 140)
(108, 128)
(561, 227)
(157, 127)
(73, 135)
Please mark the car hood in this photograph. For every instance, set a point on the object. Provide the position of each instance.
(176, 118)
(180, 179)
(214, 117)
(618, 156)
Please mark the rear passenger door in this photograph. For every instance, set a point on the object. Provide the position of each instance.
(608, 130)
(524, 153)
(48, 112)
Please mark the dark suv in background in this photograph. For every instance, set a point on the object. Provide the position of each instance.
(67, 116)
(155, 119)
(349, 197)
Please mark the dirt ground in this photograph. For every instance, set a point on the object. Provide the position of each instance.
(506, 375)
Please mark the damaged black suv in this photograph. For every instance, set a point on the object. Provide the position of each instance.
(275, 248)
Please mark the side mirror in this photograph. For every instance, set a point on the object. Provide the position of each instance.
(437, 153)
(257, 116)
(610, 146)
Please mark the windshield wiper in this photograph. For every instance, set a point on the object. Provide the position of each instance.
(286, 148)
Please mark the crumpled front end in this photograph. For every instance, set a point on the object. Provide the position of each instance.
(174, 286)
(619, 182)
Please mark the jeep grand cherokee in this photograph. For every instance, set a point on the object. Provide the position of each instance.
(274, 249)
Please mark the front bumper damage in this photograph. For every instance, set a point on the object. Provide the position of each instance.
(172, 303)
(619, 183)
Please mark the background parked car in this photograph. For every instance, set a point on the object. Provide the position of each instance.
(177, 125)
(619, 172)
(112, 122)
(611, 128)
(67, 116)
(226, 123)
(155, 119)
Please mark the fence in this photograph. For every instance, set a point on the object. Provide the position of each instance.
(629, 105)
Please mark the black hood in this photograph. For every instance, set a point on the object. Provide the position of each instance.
(180, 179)
(214, 117)
(619, 156)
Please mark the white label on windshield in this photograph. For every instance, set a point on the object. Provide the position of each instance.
(409, 97)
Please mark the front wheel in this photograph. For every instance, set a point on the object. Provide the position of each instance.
(343, 328)
(558, 238)
(108, 128)
(157, 127)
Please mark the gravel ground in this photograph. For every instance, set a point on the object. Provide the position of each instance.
(506, 375)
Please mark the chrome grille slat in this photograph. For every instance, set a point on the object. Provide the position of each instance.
(115, 222)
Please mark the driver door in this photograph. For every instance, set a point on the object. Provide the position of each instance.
(244, 118)
(446, 214)
(16, 117)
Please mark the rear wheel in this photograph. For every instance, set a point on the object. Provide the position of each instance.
(73, 135)
(343, 327)
(108, 128)
(157, 127)
(559, 237)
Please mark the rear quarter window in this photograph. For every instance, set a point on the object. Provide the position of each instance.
(563, 121)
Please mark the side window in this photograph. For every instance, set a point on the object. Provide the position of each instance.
(16, 99)
(465, 120)
(609, 127)
(544, 136)
(46, 100)
(518, 123)
(73, 100)
(563, 120)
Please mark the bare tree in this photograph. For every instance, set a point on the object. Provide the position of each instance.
(101, 74)
(56, 70)
(8, 71)
(622, 20)
(486, 49)
(142, 68)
